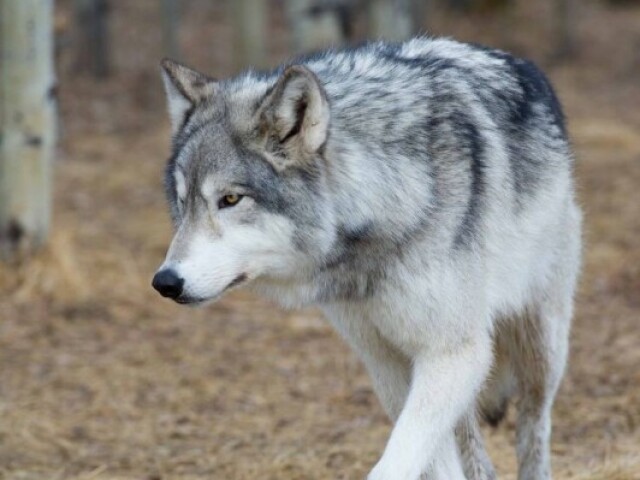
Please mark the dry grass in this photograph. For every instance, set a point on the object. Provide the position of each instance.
(101, 379)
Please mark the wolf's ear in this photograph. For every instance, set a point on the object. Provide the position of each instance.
(185, 88)
(296, 111)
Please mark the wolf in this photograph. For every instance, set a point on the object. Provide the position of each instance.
(421, 194)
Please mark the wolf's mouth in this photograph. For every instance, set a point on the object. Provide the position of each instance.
(195, 301)
(243, 277)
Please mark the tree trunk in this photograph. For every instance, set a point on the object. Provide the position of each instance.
(395, 20)
(312, 28)
(564, 14)
(27, 124)
(249, 19)
(92, 36)
(170, 28)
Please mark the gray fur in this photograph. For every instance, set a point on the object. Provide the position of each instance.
(425, 193)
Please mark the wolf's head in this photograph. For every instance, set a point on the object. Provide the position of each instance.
(245, 180)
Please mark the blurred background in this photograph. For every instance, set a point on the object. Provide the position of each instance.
(102, 379)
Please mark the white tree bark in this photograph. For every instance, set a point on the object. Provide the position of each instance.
(27, 124)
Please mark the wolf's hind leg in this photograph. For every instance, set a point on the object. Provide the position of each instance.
(539, 348)
(500, 386)
(539, 352)
(476, 461)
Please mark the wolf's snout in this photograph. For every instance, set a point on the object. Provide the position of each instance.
(168, 283)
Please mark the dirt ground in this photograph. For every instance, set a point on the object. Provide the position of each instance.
(102, 379)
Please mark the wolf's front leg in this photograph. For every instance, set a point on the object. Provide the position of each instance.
(446, 464)
(444, 385)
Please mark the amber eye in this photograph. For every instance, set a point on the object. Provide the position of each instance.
(229, 200)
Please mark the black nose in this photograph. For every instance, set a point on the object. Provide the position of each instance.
(168, 283)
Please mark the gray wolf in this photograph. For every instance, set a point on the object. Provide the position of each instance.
(421, 195)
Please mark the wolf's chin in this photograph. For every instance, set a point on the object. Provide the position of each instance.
(196, 301)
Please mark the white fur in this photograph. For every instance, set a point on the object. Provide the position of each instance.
(210, 258)
(177, 104)
(427, 334)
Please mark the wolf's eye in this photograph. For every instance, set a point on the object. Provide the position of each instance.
(229, 200)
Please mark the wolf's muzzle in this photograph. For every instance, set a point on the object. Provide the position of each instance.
(168, 283)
